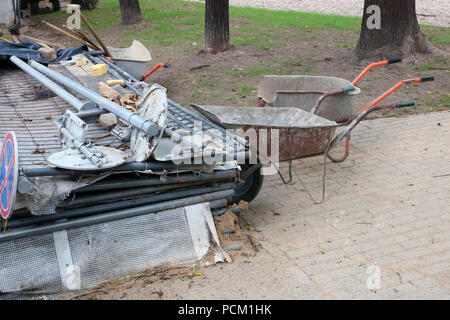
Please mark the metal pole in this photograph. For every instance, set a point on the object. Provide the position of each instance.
(218, 203)
(97, 209)
(133, 118)
(88, 199)
(63, 94)
(145, 182)
(90, 113)
(130, 166)
(115, 215)
(219, 212)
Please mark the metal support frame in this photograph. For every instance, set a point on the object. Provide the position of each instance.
(80, 145)
(174, 108)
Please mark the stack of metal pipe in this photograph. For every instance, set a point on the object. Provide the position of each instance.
(127, 195)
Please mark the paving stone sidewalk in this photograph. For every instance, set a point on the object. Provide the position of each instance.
(387, 207)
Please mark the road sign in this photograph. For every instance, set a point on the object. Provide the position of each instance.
(8, 174)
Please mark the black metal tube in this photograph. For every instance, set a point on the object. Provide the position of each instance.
(115, 215)
(145, 182)
(97, 209)
(218, 203)
(91, 113)
(219, 212)
(88, 199)
(130, 166)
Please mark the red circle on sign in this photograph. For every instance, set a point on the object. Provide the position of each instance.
(8, 174)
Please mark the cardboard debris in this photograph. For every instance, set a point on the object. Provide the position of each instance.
(108, 92)
(130, 100)
(108, 120)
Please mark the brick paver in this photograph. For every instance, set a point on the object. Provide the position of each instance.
(386, 206)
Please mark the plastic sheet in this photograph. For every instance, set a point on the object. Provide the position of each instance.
(28, 50)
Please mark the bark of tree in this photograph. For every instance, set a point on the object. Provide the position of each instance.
(56, 6)
(131, 11)
(399, 34)
(217, 26)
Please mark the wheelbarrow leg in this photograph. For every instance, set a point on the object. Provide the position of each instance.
(290, 174)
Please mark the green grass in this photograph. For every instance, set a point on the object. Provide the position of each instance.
(436, 64)
(245, 91)
(445, 100)
(439, 103)
(177, 22)
(437, 35)
(259, 70)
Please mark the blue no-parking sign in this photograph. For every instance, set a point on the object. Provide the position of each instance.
(8, 174)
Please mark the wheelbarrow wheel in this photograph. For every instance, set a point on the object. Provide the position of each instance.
(249, 189)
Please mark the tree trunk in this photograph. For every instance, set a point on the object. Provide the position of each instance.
(56, 6)
(398, 34)
(217, 26)
(131, 11)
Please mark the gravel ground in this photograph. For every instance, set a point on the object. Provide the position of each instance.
(432, 12)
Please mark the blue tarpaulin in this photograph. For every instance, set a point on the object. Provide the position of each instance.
(28, 50)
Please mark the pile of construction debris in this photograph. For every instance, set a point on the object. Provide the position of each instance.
(121, 154)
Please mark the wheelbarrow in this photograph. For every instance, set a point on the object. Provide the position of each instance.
(304, 92)
(335, 104)
(301, 134)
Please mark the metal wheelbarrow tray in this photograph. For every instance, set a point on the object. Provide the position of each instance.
(134, 59)
(301, 134)
(302, 92)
